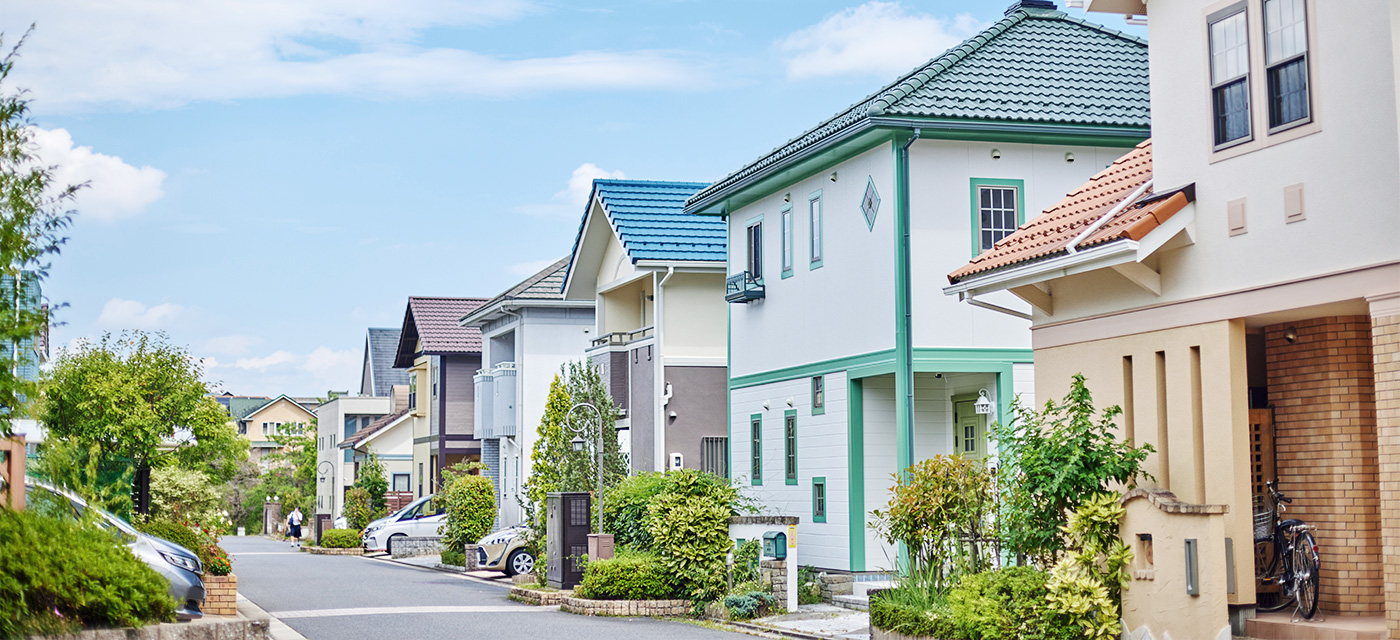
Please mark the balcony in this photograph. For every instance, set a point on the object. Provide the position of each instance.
(743, 288)
(618, 338)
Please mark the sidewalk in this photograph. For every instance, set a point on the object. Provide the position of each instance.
(276, 629)
(820, 620)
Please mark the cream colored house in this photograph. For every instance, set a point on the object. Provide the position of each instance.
(1234, 285)
(272, 418)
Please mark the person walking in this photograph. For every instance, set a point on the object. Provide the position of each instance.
(294, 526)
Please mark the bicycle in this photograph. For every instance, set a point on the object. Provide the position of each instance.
(1285, 554)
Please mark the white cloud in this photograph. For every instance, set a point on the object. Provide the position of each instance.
(279, 357)
(568, 202)
(156, 53)
(129, 314)
(283, 371)
(879, 38)
(330, 366)
(117, 189)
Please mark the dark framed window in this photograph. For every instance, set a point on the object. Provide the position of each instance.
(786, 217)
(714, 456)
(819, 499)
(790, 446)
(756, 449)
(1286, 62)
(818, 395)
(997, 214)
(1229, 75)
(401, 481)
(814, 220)
(755, 249)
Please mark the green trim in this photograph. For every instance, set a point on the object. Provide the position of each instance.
(855, 471)
(395, 456)
(866, 365)
(786, 233)
(819, 515)
(816, 410)
(728, 358)
(820, 254)
(975, 202)
(790, 475)
(1079, 135)
(756, 450)
(808, 370)
(903, 321)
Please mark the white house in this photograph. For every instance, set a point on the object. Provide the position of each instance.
(846, 362)
(336, 421)
(527, 333)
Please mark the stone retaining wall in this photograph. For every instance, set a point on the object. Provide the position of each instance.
(774, 572)
(881, 634)
(327, 551)
(836, 584)
(537, 597)
(203, 629)
(414, 547)
(643, 608)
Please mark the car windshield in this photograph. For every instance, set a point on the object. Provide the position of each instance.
(52, 503)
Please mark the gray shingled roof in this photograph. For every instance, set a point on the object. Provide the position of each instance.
(547, 284)
(380, 346)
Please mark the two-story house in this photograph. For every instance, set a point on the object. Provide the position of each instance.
(527, 334)
(339, 420)
(656, 276)
(1235, 287)
(378, 376)
(259, 419)
(441, 357)
(846, 364)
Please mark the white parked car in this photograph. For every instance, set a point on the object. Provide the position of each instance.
(419, 519)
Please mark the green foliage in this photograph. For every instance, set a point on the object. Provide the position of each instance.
(171, 532)
(1053, 460)
(910, 608)
(291, 474)
(81, 469)
(1086, 585)
(340, 538)
(371, 478)
(556, 466)
(550, 447)
(243, 497)
(746, 554)
(358, 512)
(34, 212)
(1006, 604)
(60, 575)
(216, 561)
(746, 605)
(689, 526)
(939, 510)
(470, 504)
(634, 576)
(454, 557)
(809, 590)
(184, 494)
(625, 509)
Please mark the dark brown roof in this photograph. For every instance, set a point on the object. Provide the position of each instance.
(434, 322)
(371, 429)
(1050, 233)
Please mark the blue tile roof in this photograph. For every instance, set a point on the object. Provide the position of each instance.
(649, 219)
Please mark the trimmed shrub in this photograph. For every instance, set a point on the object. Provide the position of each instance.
(689, 526)
(890, 614)
(625, 509)
(340, 538)
(359, 508)
(625, 577)
(60, 575)
(173, 532)
(746, 605)
(1006, 604)
(454, 557)
(470, 503)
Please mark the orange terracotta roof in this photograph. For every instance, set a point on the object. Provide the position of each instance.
(1050, 233)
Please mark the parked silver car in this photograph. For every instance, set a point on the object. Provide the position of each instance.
(180, 566)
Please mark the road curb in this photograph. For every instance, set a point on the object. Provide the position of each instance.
(276, 629)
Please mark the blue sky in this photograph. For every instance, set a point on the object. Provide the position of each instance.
(271, 178)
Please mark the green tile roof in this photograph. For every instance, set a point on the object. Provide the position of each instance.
(1034, 66)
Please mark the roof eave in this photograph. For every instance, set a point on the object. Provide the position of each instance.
(482, 316)
(1091, 259)
(684, 265)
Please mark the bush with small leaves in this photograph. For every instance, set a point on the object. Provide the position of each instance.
(743, 606)
(340, 538)
(638, 576)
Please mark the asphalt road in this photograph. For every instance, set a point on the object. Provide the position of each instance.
(354, 598)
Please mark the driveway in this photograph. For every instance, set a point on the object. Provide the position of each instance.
(355, 598)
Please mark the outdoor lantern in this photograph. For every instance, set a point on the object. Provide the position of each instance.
(577, 443)
(983, 404)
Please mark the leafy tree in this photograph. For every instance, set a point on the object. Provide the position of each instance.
(358, 512)
(585, 381)
(546, 475)
(1055, 459)
(34, 212)
(186, 495)
(470, 503)
(371, 479)
(242, 497)
(938, 509)
(80, 469)
(134, 397)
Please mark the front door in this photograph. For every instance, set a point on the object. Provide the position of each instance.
(970, 430)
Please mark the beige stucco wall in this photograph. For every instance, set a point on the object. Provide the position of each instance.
(422, 423)
(694, 317)
(282, 410)
(1156, 596)
(1191, 379)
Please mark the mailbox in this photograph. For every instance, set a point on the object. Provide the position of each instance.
(775, 545)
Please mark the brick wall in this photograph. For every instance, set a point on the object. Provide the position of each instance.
(1385, 341)
(1322, 390)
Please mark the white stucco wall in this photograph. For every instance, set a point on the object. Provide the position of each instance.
(330, 427)
(843, 308)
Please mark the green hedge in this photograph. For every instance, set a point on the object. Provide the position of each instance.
(887, 614)
(173, 532)
(59, 575)
(470, 503)
(340, 538)
(454, 557)
(626, 577)
(1006, 604)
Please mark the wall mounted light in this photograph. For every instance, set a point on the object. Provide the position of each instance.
(1291, 334)
(787, 197)
(983, 404)
(765, 404)
(789, 402)
(1069, 156)
(996, 154)
(833, 176)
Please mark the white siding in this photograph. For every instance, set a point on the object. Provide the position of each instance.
(1023, 383)
(880, 453)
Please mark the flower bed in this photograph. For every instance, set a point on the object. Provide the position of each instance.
(637, 608)
(537, 597)
(323, 551)
(221, 595)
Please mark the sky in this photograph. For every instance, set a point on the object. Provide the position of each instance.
(268, 179)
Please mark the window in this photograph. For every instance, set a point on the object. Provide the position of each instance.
(787, 242)
(434, 378)
(1286, 61)
(420, 479)
(814, 218)
(818, 395)
(1229, 75)
(756, 449)
(401, 481)
(413, 391)
(714, 456)
(819, 499)
(790, 446)
(755, 249)
(242, 428)
(996, 211)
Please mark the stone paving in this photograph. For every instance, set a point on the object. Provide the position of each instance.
(822, 620)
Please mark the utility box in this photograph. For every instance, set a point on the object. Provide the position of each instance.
(600, 546)
(567, 518)
(775, 545)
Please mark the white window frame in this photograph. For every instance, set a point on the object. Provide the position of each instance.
(1270, 65)
(1241, 11)
(1014, 210)
(786, 223)
(815, 221)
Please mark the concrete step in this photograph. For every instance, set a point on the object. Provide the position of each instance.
(1279, 626)
(854, 603)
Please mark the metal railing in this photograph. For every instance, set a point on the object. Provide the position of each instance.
(621, 337)
(743, 287)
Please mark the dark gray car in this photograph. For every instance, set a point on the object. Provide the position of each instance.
(180, 566)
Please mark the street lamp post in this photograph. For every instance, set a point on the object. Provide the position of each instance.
(578, 444)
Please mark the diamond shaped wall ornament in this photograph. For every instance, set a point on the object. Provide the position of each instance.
(870, 204)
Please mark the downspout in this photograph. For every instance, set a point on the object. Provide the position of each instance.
(519, 412)
(1103, 219)
(658, 372)
(903, 332)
